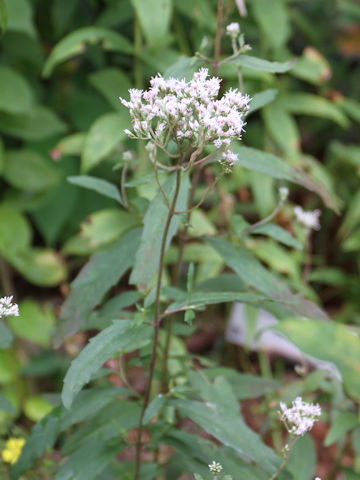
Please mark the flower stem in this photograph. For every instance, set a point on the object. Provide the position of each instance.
(156, 326)
(218, 37)
(285, 460)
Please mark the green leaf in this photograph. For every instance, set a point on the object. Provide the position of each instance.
(106, 226)
(279, 234)
(351, 107)
(29, 171)
(89, 461)
(36, 407)
(42, 437)
(230, 429)
(274, 166)
(6, 338)
(6, 405)
(302, 461)
(70, 145)
(282, 128)
(273, 20)
(123, 336)
(198, 299)
(255, 63)
(344, 351)
(20, 17)
(343, 423)
(259, 100)
(184, 68)
(112, 83)
(41, 123)
(251, 271)
(75, 44)
(35, 323)
(148, 255)
(312, 67)
(98, 185)
(15, 232)
(3, 17)
(314, 105)
(16, 94)
(352, 216)
(104, 135)
(103, 271)
(154, 17)
(154, 408)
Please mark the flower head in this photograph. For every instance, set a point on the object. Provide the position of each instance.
(12, 450)
(215, 467)
(7, 308)
(299, 418)
(309, 219)
(187, 112)
(233, 29)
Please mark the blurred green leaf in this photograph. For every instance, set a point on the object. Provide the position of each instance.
(314, 105)
(28, 170)
(75, 43)
(70, 145)
(259, 100)
(3, 17)
(106, 226)
(16, 95)
(274, 166)
(154, 408)
(35, 323)
(148, 255)
(255, 63)
(123, 336)
(279, 234)
(344, 351)
(302, 461)
(6, 405)
(350, 106)
(36, 407)
(41, 123)
(104, 135)
(154, 17)
(312, 67)
(103, 270)
(20, 17)
(15, 232)
(273, 20)
(198, 299)
(352, 216)
(6, 339)
(98, 185)
(343, 423)
(112, 83)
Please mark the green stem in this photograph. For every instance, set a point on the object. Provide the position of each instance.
(156, 326)
(263, 221)
(217, 52)
(285, 460)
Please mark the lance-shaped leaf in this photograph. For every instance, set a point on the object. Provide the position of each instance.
(276, 167)
(154, 17)
(255, 63)
(148, 255)
(103, 271)
(122, 336)
(98, 185)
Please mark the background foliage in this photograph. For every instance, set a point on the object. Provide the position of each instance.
(63, 174)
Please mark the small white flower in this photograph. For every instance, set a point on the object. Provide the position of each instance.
(299, 418)
(233, 29)
(309, 219)
(283, 193)
(7, 308)
(215, 467)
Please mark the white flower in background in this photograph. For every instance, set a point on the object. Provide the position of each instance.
(7, 308)
(309, 219)
(300, 417)
(283, 193)
(233, 29)
(189, 113)
(215, 467)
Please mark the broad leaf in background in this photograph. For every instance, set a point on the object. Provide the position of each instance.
(154, 17)
(112, 83)
(314, 337)
(20, 17)
(75, 44)
(312, 67)
(104, 135)
(259, 100)
(121, 337)
(254, 63)
(279, 234)
(3, 17)
(273, 19)
(148, 255)
(302, 462)
(16, 94)
(274, 166)
(6, 339)
(98, 185)
(103, 271)
(343, 423)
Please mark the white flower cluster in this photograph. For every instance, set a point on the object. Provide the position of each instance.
(233, 29)
(188, 113)
(215, 467)
(309, 219)
(299, 418)
(7, 308)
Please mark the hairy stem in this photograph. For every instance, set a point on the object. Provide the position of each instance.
(218, 37)
(156, 326)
